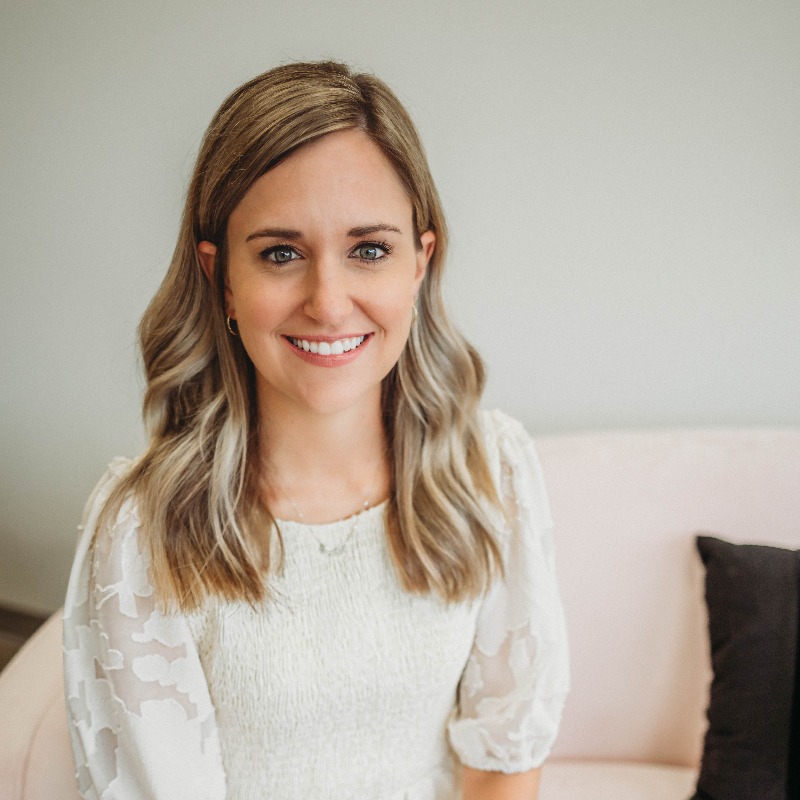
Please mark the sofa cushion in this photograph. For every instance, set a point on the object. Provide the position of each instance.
(614, 780)
(753, 597)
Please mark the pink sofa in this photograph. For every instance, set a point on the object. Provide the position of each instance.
(627, 506)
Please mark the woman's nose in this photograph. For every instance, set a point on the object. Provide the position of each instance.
(328, 298)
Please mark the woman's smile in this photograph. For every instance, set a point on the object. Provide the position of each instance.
(329, 351)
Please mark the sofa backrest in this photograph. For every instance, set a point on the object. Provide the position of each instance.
(627, 506)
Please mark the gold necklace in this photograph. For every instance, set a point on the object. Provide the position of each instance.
(338, 548)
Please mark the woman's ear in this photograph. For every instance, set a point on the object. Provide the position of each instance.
(428, 243)
(207, 254)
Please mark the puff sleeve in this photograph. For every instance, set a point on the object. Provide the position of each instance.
(516, 679)
(141, 720)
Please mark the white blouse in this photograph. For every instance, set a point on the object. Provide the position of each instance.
(344, 686)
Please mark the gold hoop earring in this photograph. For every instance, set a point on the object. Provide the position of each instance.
(228, 321)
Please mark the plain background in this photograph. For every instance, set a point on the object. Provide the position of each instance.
(622, 182)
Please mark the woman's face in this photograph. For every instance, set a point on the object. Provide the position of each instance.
(323, 270)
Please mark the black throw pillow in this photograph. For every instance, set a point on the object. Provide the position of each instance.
(752, 746)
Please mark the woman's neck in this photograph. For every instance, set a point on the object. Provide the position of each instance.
(323, 467)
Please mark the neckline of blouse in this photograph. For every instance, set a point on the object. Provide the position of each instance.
(365, 516)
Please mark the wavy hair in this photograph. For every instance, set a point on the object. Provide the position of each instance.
(197, 484)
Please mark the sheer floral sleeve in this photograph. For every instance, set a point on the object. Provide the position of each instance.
(516, 679)
(141, 720)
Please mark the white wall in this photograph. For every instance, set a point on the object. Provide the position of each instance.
(622, 181)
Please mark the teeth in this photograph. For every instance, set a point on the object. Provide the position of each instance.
(328, 348)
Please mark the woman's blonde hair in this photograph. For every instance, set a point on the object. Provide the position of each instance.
(197, 485)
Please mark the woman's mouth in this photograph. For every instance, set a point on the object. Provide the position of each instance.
(327, 347)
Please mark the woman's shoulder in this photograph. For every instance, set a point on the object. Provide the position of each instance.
(110, 523)
(109, 557)
(498, 423)
(116, 471)
(505, 438)
(514, 463)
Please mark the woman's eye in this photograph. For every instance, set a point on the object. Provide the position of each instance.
(281, 254)
(371, 251)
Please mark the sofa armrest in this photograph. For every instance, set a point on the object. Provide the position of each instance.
(35, 753)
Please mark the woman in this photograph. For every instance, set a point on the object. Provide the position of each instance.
(328, 575)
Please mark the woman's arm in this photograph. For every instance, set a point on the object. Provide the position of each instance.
(141, 720)
(514, 683)
(480, 785)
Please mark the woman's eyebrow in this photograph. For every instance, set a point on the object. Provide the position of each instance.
(366, 230)
(275, 233)
(292, 235)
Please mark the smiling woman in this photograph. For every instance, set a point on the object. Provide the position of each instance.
(329, 574)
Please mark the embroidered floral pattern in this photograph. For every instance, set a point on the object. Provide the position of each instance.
(516, 679)
(142, 721)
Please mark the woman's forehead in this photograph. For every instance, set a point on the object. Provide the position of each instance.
(342, 178)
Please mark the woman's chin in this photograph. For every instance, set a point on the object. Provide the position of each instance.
(323, 401)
